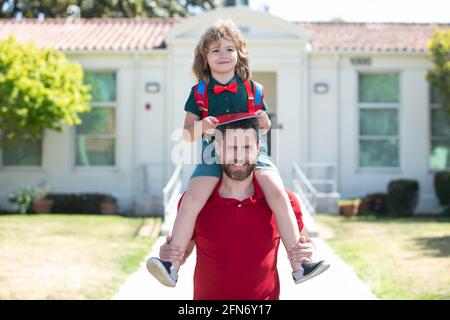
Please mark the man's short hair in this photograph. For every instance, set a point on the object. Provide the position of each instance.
(250, 123)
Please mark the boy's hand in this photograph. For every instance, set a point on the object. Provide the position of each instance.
(263, 120)
(209, 123)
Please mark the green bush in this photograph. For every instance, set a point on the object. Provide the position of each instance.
(376, 203)
(88, 203)
(40, 89)
(439, 74)
(446, 212)
(442, 187)
(109, 198)
(402, 197)
(23, 199)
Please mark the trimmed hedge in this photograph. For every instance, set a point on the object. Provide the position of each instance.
(446, 212)
(402, 197)
(442, 187)
(376, 203)
(88, 203)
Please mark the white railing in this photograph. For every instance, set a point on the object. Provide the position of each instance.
(316, 184)
(304, 188)
(150, 180)
(172, 190)
(326, 181)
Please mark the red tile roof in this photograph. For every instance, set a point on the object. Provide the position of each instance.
(400, 37)
(147, 34)
(90, 34)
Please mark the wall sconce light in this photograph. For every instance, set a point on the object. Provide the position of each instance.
(152, 87)
(321, 88)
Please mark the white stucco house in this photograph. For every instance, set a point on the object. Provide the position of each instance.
(352, 96)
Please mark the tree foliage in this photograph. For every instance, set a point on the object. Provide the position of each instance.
(39, 89)
(106, 8)
(439, 75)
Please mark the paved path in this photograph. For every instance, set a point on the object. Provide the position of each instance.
(339, 282)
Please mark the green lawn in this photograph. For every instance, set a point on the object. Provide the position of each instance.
(399, 258)
(68, 256)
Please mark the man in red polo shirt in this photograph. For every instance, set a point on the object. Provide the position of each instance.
(235, 233)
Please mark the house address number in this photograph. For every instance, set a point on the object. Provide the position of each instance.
(361, 61)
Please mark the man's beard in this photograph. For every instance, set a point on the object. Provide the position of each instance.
(241, 174)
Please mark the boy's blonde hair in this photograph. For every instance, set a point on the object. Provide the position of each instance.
(221, 29)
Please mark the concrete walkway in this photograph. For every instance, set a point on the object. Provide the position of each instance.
(338, 283)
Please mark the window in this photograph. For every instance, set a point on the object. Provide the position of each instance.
(378, 101)
(23, 153)
(440, 133)
(96, 136)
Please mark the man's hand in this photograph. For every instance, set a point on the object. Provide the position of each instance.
(263, 120)
(302, 251)
(168, 253)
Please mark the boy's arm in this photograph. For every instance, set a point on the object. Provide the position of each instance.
(188, 251)
(190, 122)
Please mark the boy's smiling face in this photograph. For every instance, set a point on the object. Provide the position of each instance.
(222, 56)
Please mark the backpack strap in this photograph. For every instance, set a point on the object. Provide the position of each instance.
(201, 98)
(259, 95)
(250, 96)
(255, 94)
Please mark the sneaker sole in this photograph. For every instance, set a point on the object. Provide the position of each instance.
(156, 268)
(321, 269)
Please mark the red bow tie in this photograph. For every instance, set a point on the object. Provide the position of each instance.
(231, 88)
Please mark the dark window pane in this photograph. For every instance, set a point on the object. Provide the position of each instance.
(95, 151)
(436, 96)
(378, 88)
(378, 153)
(103, 86)
(378, 122)
(23, 153)
(440, 123)
(97, 121)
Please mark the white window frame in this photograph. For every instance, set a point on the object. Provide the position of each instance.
(110, 104)
(374, 106)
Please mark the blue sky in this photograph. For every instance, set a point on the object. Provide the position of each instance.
(359, 10)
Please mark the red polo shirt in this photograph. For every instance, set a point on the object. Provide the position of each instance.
(237, 244)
